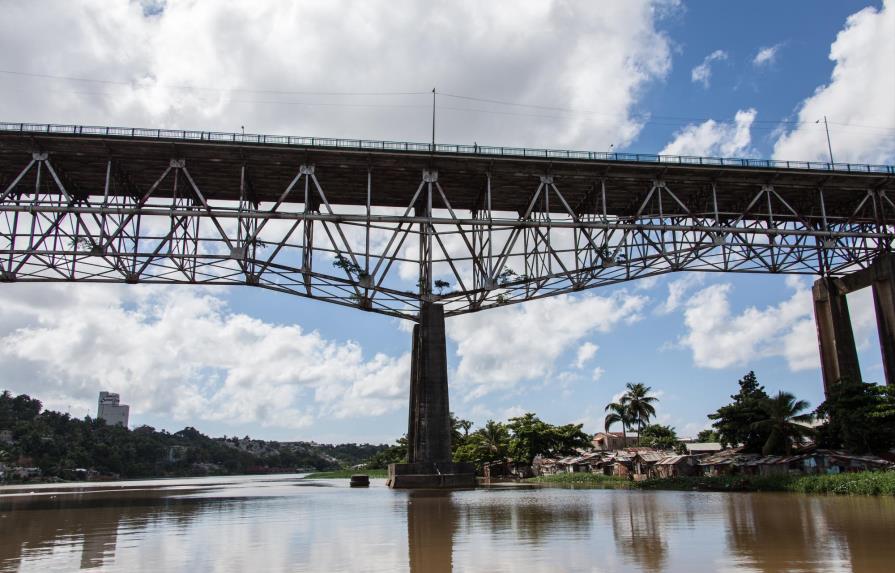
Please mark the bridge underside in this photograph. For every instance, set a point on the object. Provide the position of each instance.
(428, 235)
(388, 231)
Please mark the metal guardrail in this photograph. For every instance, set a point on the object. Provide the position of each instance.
(481, 150)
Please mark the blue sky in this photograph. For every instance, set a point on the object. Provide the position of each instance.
(626, 68)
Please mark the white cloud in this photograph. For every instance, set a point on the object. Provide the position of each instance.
(512, 412)
(182, 353)
(597, 374)
(766, 55)
(285, 49)
(712, 138)
(585, 352)
(678, 290)
(859, 93)
(718, 337)
(500, 348)
(702, 74)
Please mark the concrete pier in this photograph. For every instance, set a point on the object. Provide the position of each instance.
(883, 271)
(429, 422)
(838, 353)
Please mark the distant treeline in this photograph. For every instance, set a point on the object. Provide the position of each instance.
(56, 442)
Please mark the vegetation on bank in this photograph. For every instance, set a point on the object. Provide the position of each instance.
(57, 443)
(583, 478)
(345, 474)
(861, 483)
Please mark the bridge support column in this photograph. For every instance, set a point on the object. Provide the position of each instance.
(883, 271)
(838, 354)
(429, 424)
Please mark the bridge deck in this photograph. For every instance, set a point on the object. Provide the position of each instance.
(215, 161)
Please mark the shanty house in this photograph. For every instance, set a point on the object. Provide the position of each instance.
(611, 441)
(675, 466)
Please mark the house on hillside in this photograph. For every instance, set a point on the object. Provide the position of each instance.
(610, 441)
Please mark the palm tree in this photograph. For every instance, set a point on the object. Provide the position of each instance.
(618, 413)
(493, 438)
(639, 404)
(784, 422)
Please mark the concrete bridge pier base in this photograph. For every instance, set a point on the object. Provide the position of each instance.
(429, 426)
(838, 353)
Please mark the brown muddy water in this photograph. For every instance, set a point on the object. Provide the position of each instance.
(284, 523)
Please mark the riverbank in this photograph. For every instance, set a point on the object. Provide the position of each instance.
(862, 483)
(337, 474)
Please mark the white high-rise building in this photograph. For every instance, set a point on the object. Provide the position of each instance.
(111, 411)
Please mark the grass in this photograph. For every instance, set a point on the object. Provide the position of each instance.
(340, 474)
(862, 483)
(582, 478)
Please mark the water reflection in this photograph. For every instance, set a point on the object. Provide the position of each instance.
(638, 527)
(431, 524)
(288, 526)
(35, 528)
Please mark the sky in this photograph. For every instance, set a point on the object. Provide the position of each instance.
(689, 78)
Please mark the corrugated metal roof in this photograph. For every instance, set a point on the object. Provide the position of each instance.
(672, 460)
(651, 456)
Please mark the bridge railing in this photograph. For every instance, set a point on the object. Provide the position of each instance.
(480, 150)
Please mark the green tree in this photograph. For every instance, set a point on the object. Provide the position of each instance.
(708, 436)
(395, 454)
(735, 422)
(659, 437)
(459, 430)
(618, 413)
(639, 405)
(530, 436)
(488, 443)
(857, 416)
(783, 422)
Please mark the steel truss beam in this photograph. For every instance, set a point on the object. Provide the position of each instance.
(392, 260)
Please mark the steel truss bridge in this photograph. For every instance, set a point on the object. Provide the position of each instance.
(423, 232)
(389, 226)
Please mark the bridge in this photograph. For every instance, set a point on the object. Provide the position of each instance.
(424, 232)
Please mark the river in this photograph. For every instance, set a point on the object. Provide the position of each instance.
(284, 523)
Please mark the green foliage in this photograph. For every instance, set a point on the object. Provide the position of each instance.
(531, 436)
(351, 268)
(783, 421)
(618, 414)
(734, 422)
(488, 443)
(858, 416)
(639, 405)
(56, 442)
(859, 483)
(582, 478)
(709, 436)
(633, 410)
(396, 454)
(659, 437)
(441, 285)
